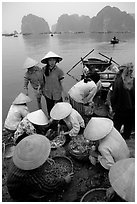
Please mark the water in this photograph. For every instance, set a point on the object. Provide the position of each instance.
(70, 46)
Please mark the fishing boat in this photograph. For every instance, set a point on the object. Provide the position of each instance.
(99, 64)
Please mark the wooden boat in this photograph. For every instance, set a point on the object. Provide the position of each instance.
(15, 35)
(98, 64)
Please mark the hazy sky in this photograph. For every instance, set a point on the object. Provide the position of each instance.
(13, 12)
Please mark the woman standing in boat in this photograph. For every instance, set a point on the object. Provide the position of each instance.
(53, 77)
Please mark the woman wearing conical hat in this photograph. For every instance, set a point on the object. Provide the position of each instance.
(122, 180)
(27, 179)
(73, 120)
(109, 146)
(34, 122)
(34, 76)
(18, 110)
(53, 76)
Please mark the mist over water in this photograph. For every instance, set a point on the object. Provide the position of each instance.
(71, 47)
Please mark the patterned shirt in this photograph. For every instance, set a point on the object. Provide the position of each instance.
(25, 126)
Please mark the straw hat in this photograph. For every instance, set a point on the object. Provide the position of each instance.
(21, 99)
(60, 110)
(38, 117)
(51, 55)
(29, 62)
(122, 178)
(97, 128)
(31, 152)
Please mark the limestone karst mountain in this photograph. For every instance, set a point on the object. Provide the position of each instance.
(34, 24)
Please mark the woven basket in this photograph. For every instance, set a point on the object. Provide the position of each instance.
(84, 156)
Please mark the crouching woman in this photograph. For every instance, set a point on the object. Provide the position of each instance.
(27, 174)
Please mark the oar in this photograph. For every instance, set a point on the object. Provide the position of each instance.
(109, 58)
(80, 60)
(73, 77)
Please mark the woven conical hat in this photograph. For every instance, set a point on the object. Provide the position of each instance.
(97, 128)
(60, 110)
(122, 178)
(29, 62)
(31, 152)
(38, 117)
(51, 55)
(21, 99)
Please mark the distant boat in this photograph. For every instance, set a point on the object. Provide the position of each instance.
(114, 40)
(15, 35)
(51, 34)
(8, 34)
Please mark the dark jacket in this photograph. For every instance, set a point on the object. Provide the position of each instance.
(22, 183)
(123, 99)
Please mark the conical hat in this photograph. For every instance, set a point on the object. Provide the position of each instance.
(122, 178)
(97, 128)
(38, 117)
(21, 99)
(29, 62)
(31, 152)
(51, 55)
(60, 110)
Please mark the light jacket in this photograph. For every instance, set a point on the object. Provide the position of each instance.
(15, 115)
(74, 122)
(81, 90)
(112, 149)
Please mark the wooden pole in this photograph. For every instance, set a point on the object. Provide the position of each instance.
(109, 58)
(80, 60)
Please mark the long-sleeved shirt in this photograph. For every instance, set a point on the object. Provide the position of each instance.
(22, 183)
(80, 91)
(15, 115)
(25, 126)
(35, 78)
(53, 87)
(74, 121)
(112, 149)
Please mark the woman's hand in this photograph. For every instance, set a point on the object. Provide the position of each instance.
(92, 160)
(68, 177)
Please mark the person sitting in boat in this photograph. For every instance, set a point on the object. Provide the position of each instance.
(114, 38)
(109, 146)
(122, 180)
(34, 122)
(73, 120)
(18, 110)
(27, 177)
(83, 92)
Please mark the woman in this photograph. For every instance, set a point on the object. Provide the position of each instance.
(18, 110)
(53, 77)
(27, 176)
(74, 121)
(34, 122)
(123, 101)
(83, 92)
(33, 76)
(109, 144)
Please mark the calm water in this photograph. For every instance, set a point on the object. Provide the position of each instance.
(70, 46)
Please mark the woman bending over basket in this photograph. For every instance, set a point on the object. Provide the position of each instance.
(27, 176)
(73, 120)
